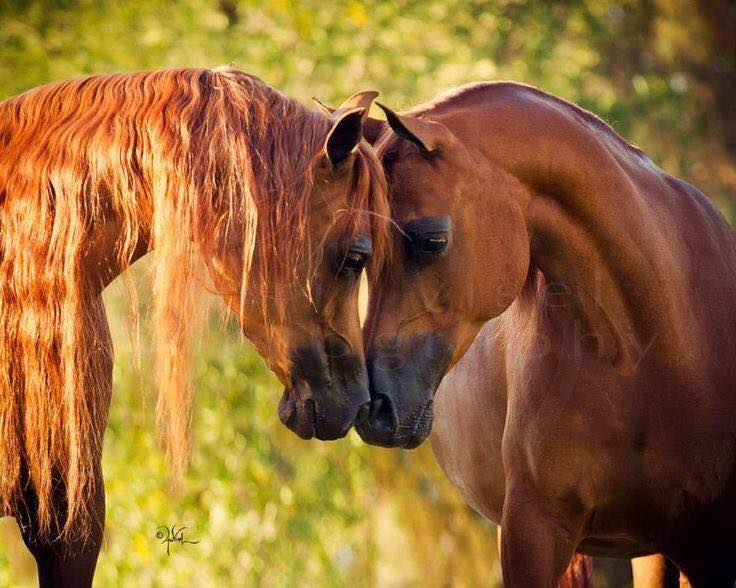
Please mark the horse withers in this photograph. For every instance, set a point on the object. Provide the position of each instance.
(190, 164)
(612, 353)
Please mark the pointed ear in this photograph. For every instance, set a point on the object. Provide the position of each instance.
(344, 136)
(372, 127)
(324, 108)
(428, 135)
(358, 100)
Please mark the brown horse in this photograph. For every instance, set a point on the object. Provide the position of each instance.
(473, 395)
(192, 164)
(613, 354)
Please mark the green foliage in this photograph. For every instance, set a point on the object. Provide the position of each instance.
(266, 507)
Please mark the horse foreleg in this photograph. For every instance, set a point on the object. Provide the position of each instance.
(72, 562)
(578, 573)
(536, 546)
(61, 563)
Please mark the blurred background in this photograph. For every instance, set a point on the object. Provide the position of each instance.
(267, 508)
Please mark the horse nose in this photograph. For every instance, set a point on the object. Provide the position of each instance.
(363, 412)
(383, 418)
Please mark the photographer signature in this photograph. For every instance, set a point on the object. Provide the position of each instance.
(171, 535)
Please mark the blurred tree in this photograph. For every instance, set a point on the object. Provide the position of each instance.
(718, 70)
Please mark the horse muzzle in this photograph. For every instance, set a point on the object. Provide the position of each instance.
(403, 380)
(328, 393)
(383, 427)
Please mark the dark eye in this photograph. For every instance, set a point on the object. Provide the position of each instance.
(432, 244)
(427, 236)
(354, 261)
(355, 255)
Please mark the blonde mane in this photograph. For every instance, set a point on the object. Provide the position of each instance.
(179, 161)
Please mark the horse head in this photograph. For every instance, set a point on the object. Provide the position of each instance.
(460, 257)
(300, 259)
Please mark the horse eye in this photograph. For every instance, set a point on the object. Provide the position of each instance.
(433, 245)
(354, 261)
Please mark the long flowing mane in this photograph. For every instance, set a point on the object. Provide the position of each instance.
(179, 161)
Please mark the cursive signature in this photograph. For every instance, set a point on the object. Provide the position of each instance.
(173, 534)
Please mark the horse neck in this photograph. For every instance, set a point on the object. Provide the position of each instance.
(610, 272)
(129, 188)
(101, 261)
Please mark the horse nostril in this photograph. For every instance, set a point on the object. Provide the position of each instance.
(363, 412)
(383, 417)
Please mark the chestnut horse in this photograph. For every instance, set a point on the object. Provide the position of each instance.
(473, 395)
(191, 164)
(613, 351)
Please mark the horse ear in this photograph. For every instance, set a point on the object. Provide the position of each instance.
(344, 136)
(360, 99)
(324, 108)
(372, 127)
(428, 135)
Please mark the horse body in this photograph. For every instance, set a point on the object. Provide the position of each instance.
(470, 414)
(628, 422)
(190, 164)
(607, 386)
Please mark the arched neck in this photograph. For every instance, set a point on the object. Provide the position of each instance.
(596, 231)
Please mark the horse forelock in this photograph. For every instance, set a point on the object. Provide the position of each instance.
(178, 155)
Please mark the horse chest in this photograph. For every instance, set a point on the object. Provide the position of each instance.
(470, 412)
(625, 450)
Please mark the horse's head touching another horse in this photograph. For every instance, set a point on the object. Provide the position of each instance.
(279, 202)
(464, 255)
(294, 288)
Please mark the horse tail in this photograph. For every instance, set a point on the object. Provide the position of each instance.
(579, 573)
